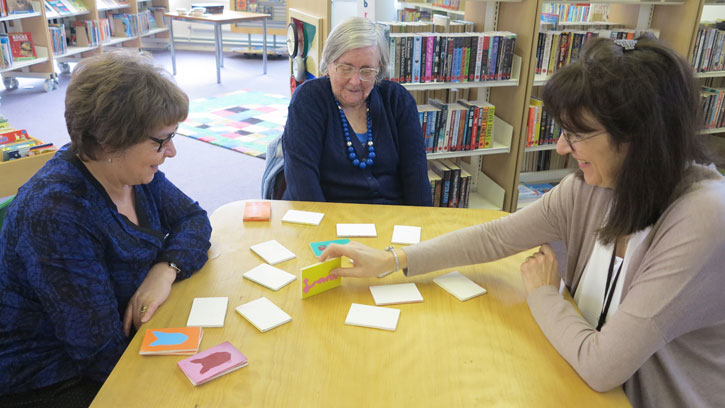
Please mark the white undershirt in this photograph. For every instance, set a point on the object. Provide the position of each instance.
(589, 295)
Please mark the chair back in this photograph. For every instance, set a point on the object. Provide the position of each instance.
(4, 209)
(273, 181)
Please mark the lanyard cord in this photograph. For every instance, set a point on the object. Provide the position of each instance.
(607, 301)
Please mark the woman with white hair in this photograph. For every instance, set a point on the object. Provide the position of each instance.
(352, 136)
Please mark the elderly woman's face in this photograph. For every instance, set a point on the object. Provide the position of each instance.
(352, 91)
(139, 163)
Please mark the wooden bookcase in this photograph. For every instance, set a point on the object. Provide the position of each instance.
(676, 21)
(37, 24)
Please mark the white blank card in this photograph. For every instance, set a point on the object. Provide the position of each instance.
(269, 276)
(208, 312)
(272, 252)
(263, 314)
(385, 318)
(459, 286)
(395, 294)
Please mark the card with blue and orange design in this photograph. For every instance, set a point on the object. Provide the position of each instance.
(171, 341)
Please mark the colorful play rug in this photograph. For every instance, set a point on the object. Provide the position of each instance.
(243, 121)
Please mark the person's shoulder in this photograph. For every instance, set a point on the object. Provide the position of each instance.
(704, 193)
(311, 88)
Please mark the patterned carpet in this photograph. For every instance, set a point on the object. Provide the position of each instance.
(243, 121)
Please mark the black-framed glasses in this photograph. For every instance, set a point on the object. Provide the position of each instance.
(365, 74)
(163, 142)
(572, 138)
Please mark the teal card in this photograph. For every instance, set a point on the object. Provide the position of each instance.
(318, 247)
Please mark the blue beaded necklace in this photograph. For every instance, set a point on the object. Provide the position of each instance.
(351, 150)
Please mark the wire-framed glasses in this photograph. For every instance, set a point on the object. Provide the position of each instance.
(365, 74)
(572, 138)
(163, 142)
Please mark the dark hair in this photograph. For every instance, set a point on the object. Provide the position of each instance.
(118, 99)
(645, 96)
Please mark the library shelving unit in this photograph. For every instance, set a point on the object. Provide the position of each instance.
(39, 67)
(428, 5)
(37, 24)
(675, 20)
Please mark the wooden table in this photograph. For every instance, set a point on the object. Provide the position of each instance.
(484, 352)
(227, 17)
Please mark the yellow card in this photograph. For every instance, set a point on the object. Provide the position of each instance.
(317, 279)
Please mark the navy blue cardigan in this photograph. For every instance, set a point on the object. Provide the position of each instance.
(316, 162)
(69, 264)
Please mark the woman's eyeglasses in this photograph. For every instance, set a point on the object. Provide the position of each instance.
(163, 142)
(365, 74)
(572, 138)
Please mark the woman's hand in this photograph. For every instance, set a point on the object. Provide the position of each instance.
(367, 262)
(540, 269)
(152, 293)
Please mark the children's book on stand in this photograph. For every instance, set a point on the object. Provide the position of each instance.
(17, 144)
(172, 341)
(212, 363)
(21, 46)
(60, 7)
(6, 54)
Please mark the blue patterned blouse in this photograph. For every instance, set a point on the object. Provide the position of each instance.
(69, 263)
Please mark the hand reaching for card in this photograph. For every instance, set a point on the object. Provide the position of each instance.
(367, 261)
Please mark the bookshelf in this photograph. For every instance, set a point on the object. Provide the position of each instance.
(675, 20)
(42, 65)
(38, 24)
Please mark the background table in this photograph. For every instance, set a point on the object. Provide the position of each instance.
(487, 351)
(228, 17)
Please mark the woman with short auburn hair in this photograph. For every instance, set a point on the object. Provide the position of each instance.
(94, 241)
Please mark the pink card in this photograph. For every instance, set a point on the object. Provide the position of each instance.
(212, 363)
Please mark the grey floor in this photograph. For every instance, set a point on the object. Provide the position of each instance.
(211, 175)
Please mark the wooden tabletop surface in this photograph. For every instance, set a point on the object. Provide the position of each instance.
(487, 351)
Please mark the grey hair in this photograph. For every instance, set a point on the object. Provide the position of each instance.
(353, 33)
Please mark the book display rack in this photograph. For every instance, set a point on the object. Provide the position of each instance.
(61, 31)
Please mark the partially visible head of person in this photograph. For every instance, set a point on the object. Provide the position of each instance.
(355, 57)
(120, 99)
(630, 115)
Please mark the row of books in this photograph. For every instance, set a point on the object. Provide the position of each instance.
(582, 12)
(8, 7)
(124, 24)
(460, 126)
(711, 100)
(108, 4)
(411, 14)
(466, 57)
(59, 8)
(440, 24)
(16, 47)
(449, 183)
(541, 129)
(543, 160)
(555, 49)
(16, 144)
(448, 4)
(709, 53)
(58, 38)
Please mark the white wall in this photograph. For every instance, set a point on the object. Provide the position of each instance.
(342, 9)
(713, 12)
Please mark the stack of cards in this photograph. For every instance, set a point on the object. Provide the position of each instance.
(263, 314)
(257, 210)
(459, 286)
(208, 312)
(303, 217)
(403, 234)
(356, 230)
(212, 363)
(176, 341)
(372, 316)
(396, 294)
(269, 276)
(272, 252)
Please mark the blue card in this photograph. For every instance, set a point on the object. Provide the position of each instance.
(318, 247)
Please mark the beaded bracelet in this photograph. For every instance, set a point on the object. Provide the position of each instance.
(397, 262)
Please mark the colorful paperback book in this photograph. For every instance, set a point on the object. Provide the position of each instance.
(19, 6)
(318, 247)
(316, 278)
(212, 363)
(173, 341)
(21, 46)
(257, 210)
(14, 136)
